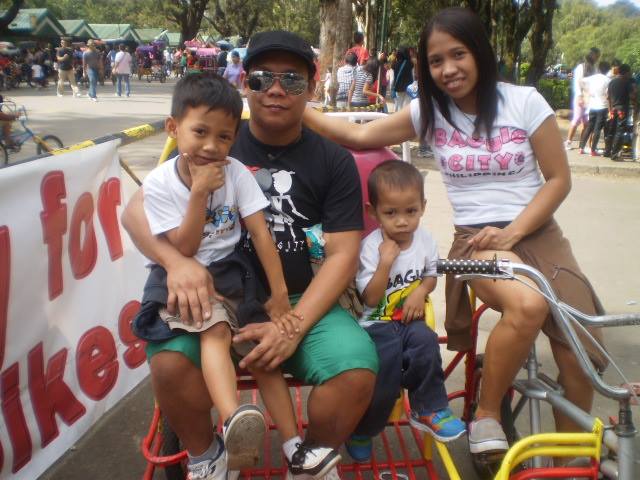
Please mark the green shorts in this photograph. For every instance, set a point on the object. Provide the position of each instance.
(335, 344)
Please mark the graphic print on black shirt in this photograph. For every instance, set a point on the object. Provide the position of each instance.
(311, 181)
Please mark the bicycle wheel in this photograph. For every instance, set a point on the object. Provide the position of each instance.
(486, 466)
(4, 154)
(51, 141)
(170, 446)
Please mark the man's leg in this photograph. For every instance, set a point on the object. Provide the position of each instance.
(61, 79)
(335, 407)
(127, 85)
(182, 395)
(73, 83)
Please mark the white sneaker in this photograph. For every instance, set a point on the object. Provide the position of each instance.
(59, 94)
(312, 462)
(567, 145)
(244, 433)
(214, 469)
(487, 436)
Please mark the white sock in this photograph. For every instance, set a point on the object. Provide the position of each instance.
(210, 453)
(289, 447)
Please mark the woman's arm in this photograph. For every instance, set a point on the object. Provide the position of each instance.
(552, 159)
(367, 92)
(390, 130)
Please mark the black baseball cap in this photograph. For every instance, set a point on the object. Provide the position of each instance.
(279, 40)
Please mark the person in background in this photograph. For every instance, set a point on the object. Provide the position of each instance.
(122, 70)
(580, 115)
(234, 72)
(362, 85)
(359, 49)
(64, 57)
(221, 60)
(90, 62)
(595, 88)
(621, 95)
(402, 78)
(344, 79)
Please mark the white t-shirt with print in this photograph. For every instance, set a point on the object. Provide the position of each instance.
(489, 180)
(408, 270)
(596, 86)
(166, 199)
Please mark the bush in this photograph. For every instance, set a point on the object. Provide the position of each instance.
(555, 91)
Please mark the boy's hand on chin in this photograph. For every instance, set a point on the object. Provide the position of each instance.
(205, 178)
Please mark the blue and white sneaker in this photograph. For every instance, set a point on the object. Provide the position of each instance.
(442, 425)
(359, 448)
(212, 469)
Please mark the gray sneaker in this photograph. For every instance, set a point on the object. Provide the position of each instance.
(212, 469)
(244, 433)
(486, 436)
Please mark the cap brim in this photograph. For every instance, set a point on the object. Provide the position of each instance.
(251, 56)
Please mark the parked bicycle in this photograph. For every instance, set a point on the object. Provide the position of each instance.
(22, 134)
(530, 452)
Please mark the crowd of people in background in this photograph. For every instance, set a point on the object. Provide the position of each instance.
(603, 98)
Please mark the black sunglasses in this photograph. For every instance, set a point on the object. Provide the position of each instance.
(291, 83)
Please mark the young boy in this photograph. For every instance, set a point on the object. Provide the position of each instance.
(195, 201)
(396, 274)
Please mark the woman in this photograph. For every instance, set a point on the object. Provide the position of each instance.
(403, 77)
(234, 72)
(364, 77)
(490, 138)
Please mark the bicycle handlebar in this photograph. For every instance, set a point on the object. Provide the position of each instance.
(505, 269)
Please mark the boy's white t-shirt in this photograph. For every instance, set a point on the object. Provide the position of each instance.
(166, 199)
(36, 71)
(596, 86)
(408, 270)
(489, 180)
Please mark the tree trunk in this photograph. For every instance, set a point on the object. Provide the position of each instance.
(541, 38)
(344, 23)
(328, 22)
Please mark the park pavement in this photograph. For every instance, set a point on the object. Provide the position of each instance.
(110, 450)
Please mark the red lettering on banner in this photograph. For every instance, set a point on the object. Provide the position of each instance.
(14, 417)
(50, 395)
(108, 200)
(135, 355)
(96, 363)
(5, 283)
(83, 255)
(54, 226)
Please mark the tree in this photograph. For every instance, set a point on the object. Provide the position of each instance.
(187, 14)
(9, 15)
(238, 17)
(541, 37)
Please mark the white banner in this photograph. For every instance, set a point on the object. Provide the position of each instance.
(70, 281)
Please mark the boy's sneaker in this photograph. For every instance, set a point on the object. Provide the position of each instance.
(567, 145)
(312, 462)
(442, 425)
(487, 436)
(359, 447)
(243, 437)
(213, 469)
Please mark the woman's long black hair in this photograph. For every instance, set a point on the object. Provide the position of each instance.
(465, 26)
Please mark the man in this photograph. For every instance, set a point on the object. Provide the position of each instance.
(308, 181)
(90, 67)
(580, 115)
(621, 94)
(64, 56)
(122, 70)
(359, 49)
(345, 78)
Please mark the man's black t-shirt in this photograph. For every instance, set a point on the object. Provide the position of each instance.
(311, 181)
(66, 64)
(619, 92)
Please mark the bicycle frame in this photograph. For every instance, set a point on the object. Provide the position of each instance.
(538, 387)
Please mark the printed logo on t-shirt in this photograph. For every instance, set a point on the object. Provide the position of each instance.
(282, 212)
(219, 220)
(400, 287)
(478, 156)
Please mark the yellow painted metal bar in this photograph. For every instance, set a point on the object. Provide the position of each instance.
(553, 445)
(447, 461)
(169, 146)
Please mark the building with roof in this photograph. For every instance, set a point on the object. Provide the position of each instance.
(36, 23)
(79, 29)
(148, 35)
(174, 39)
(114, 32)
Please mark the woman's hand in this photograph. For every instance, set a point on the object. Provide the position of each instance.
(493, 238)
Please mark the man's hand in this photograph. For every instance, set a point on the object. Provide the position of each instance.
(205, 178)
(190, 286)
(273, 348)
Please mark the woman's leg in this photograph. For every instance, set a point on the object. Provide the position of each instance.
(586, 132)
(217, 368)
(523, 313)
